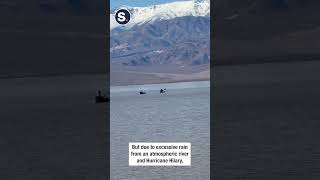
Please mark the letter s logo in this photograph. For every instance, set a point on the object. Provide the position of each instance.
(122, 16)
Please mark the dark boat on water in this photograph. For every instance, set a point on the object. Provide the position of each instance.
(142, 92)
(101, 99)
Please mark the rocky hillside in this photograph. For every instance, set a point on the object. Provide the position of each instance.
(252, 19)
(172, 34)
(52, 7)
(52, 37)
(257, 31)
(180, 41)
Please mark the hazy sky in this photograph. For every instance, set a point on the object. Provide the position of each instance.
(117, 3)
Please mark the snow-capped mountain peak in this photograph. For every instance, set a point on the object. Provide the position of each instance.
(140, 15)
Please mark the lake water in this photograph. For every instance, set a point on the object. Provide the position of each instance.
(180, 115)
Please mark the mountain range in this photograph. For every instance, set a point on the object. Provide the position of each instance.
(257, 31)
(173, 34)
(167, 11)
(52, 37)
(245, 31)
(52, 7)
(257, 19)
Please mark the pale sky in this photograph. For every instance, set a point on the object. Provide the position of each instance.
(137, 3)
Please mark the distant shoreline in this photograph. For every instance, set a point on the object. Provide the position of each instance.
(243, 60)
(171, 82)
(240, 61)
(123, 78)
(58, 75)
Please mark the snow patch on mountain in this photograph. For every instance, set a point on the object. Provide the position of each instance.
(141, 15)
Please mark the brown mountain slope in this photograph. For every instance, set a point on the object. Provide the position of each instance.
(52, 7)
(252, 19)
(256, 31)
(48, 37)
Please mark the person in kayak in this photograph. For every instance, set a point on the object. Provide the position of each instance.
(101, 98)
(162, 91)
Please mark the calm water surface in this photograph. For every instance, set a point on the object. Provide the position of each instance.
(180, 115)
